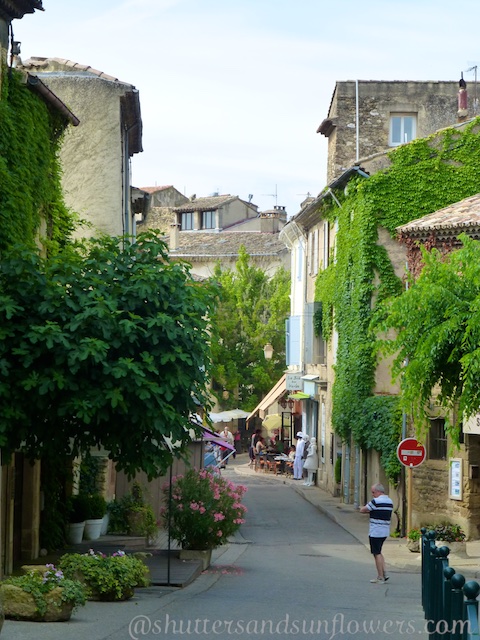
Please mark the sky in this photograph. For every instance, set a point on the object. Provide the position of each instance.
(233, 91)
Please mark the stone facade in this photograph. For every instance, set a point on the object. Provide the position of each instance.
(434, 105)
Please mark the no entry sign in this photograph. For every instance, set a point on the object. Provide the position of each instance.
(410, 452)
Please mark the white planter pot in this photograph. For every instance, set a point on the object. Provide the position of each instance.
(75, 532)
(105, 521)
(93, 529)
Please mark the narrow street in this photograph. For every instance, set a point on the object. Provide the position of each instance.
(291, 572)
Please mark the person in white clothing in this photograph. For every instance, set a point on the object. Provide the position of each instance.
(380, 509)
(226, 435)
(299, 461)
(311, 462)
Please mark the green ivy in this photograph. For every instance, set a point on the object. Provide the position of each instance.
(30, 174)
(423, 176)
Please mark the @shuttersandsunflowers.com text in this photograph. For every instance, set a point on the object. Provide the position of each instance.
(143, 627)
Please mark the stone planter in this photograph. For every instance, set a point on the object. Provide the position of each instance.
(75, 532)
(457, 548)
(20, 605)
(413, 546)
(93, 529)
(204, 555)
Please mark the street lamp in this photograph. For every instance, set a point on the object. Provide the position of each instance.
(268, 351)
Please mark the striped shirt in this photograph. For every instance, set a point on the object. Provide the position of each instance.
(380, 509)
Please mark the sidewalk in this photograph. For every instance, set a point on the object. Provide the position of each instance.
(395, 549)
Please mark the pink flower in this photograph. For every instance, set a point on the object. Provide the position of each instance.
(194, 506)
(219, 534)
(218, 516)
(202, 509)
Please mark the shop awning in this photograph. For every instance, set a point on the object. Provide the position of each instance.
(228, 416)
(272, 396)
(210, 436)
(299, 395)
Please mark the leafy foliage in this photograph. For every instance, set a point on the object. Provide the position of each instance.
(132, 514)
(204, 509)
(40, 583)
(437, 324)
(103, 344)
(30, 138)
(251, 312)
(423, 176)
(105, 577)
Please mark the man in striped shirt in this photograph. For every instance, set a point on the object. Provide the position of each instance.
(380, 509)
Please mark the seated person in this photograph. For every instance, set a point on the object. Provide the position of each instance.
(209, 458)
(261, 447)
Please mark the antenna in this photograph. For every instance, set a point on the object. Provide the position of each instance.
(272, 195)
(475, 99)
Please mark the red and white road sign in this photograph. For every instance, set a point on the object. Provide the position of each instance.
(410, 452)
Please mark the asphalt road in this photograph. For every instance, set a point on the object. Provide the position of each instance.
(292, 573)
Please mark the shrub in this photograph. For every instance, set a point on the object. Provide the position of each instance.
(106, 577)
(414, 534)
(77, 508)
(39, 583)
(204, 511)
(447, 532)
(132, 514)
(96, 506)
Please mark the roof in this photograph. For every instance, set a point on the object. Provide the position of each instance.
(10, 9)
(62, 64)
(155, 189)
(449, 222)
(200, 244)
(205, 204)
(37, 85)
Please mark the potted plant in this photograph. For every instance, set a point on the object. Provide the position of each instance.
(96, 509)
(413, 540)
(204, 511)
(450, 535)
(106, 577)
(77, 510)
(43, 594)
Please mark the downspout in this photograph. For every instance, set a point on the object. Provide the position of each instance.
(357, 124)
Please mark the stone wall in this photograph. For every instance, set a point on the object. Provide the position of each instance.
(434, 103)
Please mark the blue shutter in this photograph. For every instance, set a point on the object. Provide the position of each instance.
(293, 340)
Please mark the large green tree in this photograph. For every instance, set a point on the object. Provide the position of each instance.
(437, 335)
(104, 344)
(251, 312)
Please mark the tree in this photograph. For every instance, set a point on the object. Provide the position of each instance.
(104, 344)
(251, 312)
(437, 342)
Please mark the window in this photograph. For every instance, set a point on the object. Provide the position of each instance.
(437, 440)
(403, 128)
(208, 220)
(187, 221)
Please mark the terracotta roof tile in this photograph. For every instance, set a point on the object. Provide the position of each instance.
(155, 189)
(204, 244)
(40, 64)
(205, 204)
(455, 218)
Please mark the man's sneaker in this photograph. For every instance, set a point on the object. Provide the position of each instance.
(379, 580)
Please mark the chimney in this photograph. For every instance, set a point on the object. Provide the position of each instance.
(174, 236)
(462, 112)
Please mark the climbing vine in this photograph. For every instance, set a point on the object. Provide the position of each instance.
(30, 138)
(423, 176)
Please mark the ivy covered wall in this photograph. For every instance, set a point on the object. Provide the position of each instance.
(30, 191)
(423, 176)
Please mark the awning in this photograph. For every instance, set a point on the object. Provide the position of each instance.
(299, 395)
(228, 416)
(210, 436)
(272, 396)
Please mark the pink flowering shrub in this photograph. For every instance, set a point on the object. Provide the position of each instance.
(204, 509)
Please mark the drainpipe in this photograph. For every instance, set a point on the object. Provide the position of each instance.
(357, 123)
(356, 489)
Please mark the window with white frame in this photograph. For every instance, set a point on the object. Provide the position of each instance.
(187, 221)
(208, 220)
(403, 128)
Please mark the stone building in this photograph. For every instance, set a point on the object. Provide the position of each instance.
(369, 116)
(433, 497)
(96, 155)
(209, 230)
(366, 119)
